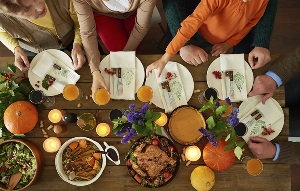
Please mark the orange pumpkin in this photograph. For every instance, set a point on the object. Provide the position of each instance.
(20, 117)
(216, 158)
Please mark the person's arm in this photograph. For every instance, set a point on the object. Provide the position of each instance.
(289, 152)
(263, 30)
(235, 39)
(142, 24)
(191, 25)
(8, 41)
(286, 67)
(73, 15)
(88, 32)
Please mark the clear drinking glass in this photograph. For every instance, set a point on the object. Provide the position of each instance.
(205, 95)
(253, 166)
(86, 121)
(38, 97)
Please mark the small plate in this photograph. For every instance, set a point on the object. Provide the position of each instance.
(216, 83)
(186, 79)
(33, 79)
(248, 105)
(140, 73)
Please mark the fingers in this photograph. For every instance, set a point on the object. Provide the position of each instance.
(149, 69)
(251, 59)
(25, 60)
(258, 63)
(266, 97)
(75, 60)
(257, 139)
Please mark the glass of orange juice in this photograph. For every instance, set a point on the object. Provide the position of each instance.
(253, 166)
(145, 93)
(101, 97)
(71, 92)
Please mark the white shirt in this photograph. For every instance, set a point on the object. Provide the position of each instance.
(118, 5)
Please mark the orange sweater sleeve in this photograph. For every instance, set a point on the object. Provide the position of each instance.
(191, 25)
(235, 39)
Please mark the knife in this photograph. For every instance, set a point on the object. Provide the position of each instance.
(172, 100)
(253, 121)
(115, 81)
(120, 83)
(229, 84)
(248, 119)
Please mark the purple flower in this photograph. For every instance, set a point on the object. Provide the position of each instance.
(210, 136)
(122, 131)
(128, 136)
(140, 122)
(131, 107)
(228, 100)
(217, 104)
(145, 108)
(233, 120)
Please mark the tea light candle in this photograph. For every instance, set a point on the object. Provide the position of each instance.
(55, 115)
(103, 129)
(162, 120)
(192, 153)
(52, 144)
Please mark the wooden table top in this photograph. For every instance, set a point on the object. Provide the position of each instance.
(274, 176)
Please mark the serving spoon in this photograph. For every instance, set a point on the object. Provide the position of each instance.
(14, 179)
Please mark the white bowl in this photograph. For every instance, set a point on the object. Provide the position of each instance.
(59, 167)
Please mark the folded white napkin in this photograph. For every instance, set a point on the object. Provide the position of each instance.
(62, 77)
(269, 111)
(177, 96)
(235, 63)
(125, 61)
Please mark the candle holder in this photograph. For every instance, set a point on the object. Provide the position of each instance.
(86, 121)
(51, 144)
(192, 153)
(162, 120)
(103, 129)
(55, 115)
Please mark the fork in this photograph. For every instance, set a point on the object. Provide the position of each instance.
(120, 84)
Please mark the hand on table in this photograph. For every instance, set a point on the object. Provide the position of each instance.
(98, 82)
(220, 48)
(258, 57)
(193, 55)
(261, 148)
(263, 85)
(159, 64)
(21, 59)
(77, 56)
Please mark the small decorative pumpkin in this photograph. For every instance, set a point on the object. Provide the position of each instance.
(216, 158)
(20, 117)
(202, 178)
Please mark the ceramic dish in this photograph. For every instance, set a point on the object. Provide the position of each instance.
(216, 83)
(34, 79)
(153, 161)
(60, 162)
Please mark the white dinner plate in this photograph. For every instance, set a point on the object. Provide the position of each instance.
(140, 73)
(216, 83)
(36, 80)
(186, 79)
(248, 105)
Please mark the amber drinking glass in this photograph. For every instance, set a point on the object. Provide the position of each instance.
(145, 94)
(71, 92)
(101, 97)
(253, 166)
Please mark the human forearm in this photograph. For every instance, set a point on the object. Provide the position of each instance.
(8, 41)
(287, 66)
(77, 38)
(263, 30)
(289, 152)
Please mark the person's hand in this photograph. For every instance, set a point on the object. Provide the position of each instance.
(159, 65)
(261, 148)
(193, 55)
(220, 48)
(258, 57)
(98, 82)
(263, 85)
(21, 59)
(77, 56)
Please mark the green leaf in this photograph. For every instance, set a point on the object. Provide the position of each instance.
(4, 94)
(229, 146)
(221, 109)
(117, 128)
(221, 125)
(240, 144)
(16, 97)
(156, 116)
(233, 134)
(12, 68)
(204, 107)
(4, 86)
(219, 136)
(158, 129)
(24, 89)
(2, 79)
(238, 152)
(149, 114)
(13, 85)
(143, 130)
(149, 123)
(210, 122)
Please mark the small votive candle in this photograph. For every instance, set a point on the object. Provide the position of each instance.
(103, 129)
(162, 121)
(51, 144)
(55, 115)
(192, 153)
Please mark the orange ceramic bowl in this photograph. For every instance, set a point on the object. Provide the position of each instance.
(37, 155)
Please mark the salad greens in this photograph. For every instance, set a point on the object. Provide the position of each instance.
(16, 157)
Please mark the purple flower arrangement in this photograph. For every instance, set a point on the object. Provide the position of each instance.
(219, 126)
(136, 121)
